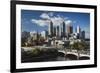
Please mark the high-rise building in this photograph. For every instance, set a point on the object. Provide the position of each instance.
(60, 30)
(50, 29)
(46, 34)
(63, 29)
(54, 31)
(78, 30)
(83, 35)
(69, 29)
(57, 31)
(37, 35)
(32, 33)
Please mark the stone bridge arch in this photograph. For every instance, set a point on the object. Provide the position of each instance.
(74, 56)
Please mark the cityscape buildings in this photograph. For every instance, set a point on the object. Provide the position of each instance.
(57, 33)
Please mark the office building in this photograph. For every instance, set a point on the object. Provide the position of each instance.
(63, 29)
(50, 29)
(69, 29)
(83, 35)
(54, 31)
(57, 31)
(78, 30)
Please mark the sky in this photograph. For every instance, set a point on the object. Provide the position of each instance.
(33, 20)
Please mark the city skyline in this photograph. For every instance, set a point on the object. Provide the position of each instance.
(32, 21)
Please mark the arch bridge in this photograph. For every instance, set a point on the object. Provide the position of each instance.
(73, 53)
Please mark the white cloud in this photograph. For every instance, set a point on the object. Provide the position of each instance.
(40, 22)
(57, 20)
(45, 16)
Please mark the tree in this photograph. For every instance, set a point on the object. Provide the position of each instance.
(66, 46)
(79, 46)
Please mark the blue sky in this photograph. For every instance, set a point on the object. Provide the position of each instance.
(32, 20)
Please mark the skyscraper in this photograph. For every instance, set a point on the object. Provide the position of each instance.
(54, 31)
(69, 29)
(57, 31)
(78, 30)
(50, 29)
(46, 34)
(63, 29)
(83, 35)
